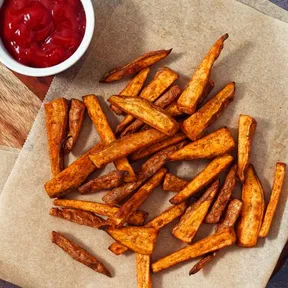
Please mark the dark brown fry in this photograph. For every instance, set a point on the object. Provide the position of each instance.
(173, 183)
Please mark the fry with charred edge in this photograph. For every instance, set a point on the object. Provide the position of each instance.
(146, 112)
(141, 240)
(145, 60)
(173, 183)
(223, 197)
(188, 100)
(196, 124)
(229, 220)
(105, 132)
(76, 117)
(79, 254)
(149, 168)
(56, 113)
(214, 144)
(72, 177)
(211, 243)
(137, 218)
(105, 182)
(162, 80)
(143, 271)
(208, 88)
(133, 88)
(78, 216)
(253, 210)
(246, 130)
(163, 101)
(208, 174)
(194, 215)
(274, 198)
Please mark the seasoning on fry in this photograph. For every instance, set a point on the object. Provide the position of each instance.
(173, 183)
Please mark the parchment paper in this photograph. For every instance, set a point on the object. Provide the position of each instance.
(255, 57)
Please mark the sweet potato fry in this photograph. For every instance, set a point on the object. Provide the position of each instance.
(223, 197)
(202, 262)
(253, 210)
(79, 254)
(78, 216)
(143, 271)
(105, 132)
(188, 100)
(211, 243)
(208, 174)
(76, 117)
(142, 240)
(137, 218)
(56, 113)
(72, 177)
(105, 182)
(173, 183)
(146, 112)
(247, 126)
(133, 88)
(214, 144)
(208, 88)
(196, 124)
(274, 198)
(191, 220)
(145, 60)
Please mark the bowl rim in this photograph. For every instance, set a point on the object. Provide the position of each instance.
(12, 64)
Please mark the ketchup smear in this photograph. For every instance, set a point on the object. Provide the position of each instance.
(42, 33)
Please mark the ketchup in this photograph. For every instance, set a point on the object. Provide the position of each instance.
(42, 33)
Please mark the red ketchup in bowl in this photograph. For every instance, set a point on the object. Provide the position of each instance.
(42, 33)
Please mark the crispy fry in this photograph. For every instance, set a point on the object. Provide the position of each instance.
(173, 183)
(208, 174)
(143, 271)
(105, 182)
(208, 88)
(191, 220)
(56, 113)
(188, 100)
(137, 218)
(202, 262)
(223, 197)
(146, 112)
(253, 210)
(247, 126)
(133, 88)
(196, 124)
(76, 117)
(79, 254)
(105, 132)
(211, 243)
(274, 198)
(139, 239)
(72, 177)
(214, 144)
(78, 216)
(135, 66)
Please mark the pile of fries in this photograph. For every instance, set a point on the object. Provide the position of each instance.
(161, 123)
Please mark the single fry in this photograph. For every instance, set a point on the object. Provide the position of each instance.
(56, 113)
(223, 197)
(253, 210)
(191, 220)
(211, 243)
(202, 262)
(274, 198)
(143, 271)
(187, 102)
(196, 124)
(105, 132)
(79, 254)
(76, 117)
(137, 218)
(105, 182)
(207, 175)
(133, 88)
(214, 144)
(246, 130)
(173, 183)
(135, 66)
(78, 216)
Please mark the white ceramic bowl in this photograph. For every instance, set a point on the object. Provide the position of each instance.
(12, 64)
